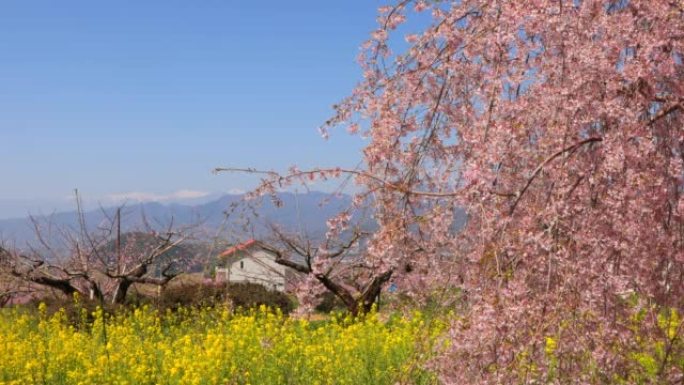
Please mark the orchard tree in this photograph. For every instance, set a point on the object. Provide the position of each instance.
(558, 126)
(11, 288)
(335, 265)
(99, 263)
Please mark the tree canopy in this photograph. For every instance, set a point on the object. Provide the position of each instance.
(558, 126)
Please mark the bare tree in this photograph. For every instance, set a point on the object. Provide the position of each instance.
(32, 268)
(139, 257)
(340, 267)
(100, 263)
(11, 288)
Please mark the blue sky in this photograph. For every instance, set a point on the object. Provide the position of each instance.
(148, 96)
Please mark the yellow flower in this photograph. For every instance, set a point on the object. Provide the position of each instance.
(551, 346)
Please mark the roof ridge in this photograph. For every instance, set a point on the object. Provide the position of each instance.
(239, 247)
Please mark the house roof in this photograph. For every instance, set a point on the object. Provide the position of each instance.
(239, 247)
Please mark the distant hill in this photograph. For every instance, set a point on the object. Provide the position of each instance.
(300, 212)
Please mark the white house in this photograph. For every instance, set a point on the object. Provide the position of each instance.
(251, 262)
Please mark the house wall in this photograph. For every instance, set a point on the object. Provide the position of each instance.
(257, 266)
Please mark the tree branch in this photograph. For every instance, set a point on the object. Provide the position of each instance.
(313, 173)
(543, 164)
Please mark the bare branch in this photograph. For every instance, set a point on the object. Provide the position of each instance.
(280, 179)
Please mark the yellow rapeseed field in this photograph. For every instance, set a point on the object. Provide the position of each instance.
(212, 346)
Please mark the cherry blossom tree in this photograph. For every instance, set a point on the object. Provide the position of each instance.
(557, 125)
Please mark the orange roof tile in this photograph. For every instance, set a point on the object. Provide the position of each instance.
(239, 247)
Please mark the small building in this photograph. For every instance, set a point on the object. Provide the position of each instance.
(252, 262)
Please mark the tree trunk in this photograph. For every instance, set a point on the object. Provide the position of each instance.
(96, 293)
(363, 303)
(121, 291)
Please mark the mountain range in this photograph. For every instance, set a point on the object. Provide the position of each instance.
(229, 216)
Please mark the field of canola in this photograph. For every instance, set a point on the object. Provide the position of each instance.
(212, 346)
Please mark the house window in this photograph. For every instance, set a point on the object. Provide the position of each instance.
(242, 264)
